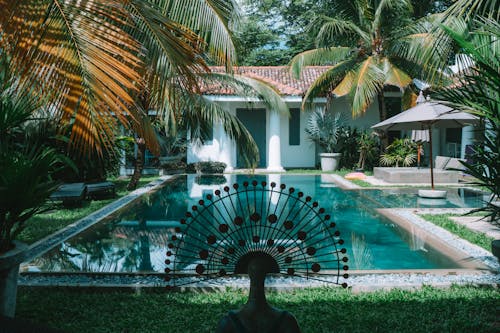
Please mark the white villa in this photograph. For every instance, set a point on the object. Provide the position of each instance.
(282, 140)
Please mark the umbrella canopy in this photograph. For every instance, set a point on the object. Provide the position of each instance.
(426, 115)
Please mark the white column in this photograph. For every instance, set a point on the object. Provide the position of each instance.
(467, 139)
(225, 147)
(274, 145)
(274, 178)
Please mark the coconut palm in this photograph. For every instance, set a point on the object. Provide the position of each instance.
(432, 48)
(92, 58)
(358, 45)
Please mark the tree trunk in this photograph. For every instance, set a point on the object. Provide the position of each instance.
(138, 165)
(384, 140)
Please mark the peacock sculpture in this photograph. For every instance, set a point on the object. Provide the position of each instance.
(255, 229)
(225, 230)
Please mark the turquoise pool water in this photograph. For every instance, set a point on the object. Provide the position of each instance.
(136, 238)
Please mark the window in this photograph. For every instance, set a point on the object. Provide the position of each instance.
(294, 127)
(393, 107)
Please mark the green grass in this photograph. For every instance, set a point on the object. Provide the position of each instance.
(444, 221)
(459, 309)
(42, 225)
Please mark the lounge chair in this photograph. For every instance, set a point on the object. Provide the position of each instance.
(70, 194)
(100, 190)
(404, 175)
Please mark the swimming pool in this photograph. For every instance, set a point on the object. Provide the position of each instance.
(135, 239)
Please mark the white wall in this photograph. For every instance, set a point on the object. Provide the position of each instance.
(220, 149)
(301, 156)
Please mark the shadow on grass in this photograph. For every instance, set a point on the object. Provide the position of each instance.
(459, 309)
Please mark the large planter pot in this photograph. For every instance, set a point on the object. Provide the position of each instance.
(330, 161)
(9, 271)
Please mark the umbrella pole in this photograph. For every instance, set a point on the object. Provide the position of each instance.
(430, 156)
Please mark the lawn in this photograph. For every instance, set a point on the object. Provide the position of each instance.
(458, 309)
(42, 225)
(444, 221)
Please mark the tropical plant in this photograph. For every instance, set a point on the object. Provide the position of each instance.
(364, 63)
(368, 149)
(25, 168)
(477, 90)
(108, 53)
(400, 151)
(347, 146)
(324, 129)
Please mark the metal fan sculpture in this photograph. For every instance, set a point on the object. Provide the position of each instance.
(221, 235)
(256, 229)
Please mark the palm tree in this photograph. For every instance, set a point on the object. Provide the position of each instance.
(477, 90)
(432, 48)
(364, 63)
(90, 59)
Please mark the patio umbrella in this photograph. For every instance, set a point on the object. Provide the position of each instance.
(427, 115)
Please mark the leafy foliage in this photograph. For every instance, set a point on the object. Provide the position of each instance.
(108, 53)
(25, 168)
(358, 44)
(324, 128)
(400, 151)
(206, 167)
(368, 148)
(478, 91)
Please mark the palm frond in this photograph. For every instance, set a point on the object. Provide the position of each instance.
(471, 8)
(324, 56)
(251, 87)
(395, 76)
(345, 86)
(210, 19)
(389, 5)
(324, 84)
(200, 111)
(73, 47)
(334, 28)
(368, 81)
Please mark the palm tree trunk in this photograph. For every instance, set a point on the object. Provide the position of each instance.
(138, 165)
(384, 140)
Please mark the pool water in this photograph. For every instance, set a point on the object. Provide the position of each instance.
(135, 239)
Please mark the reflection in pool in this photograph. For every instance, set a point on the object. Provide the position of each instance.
(135, 239)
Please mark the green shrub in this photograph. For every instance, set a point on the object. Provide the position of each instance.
(206, 167)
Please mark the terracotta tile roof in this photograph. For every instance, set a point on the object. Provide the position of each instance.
(277, 76)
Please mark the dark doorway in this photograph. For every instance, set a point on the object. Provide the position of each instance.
(255, 122)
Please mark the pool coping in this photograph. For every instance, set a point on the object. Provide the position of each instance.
(47, 243)
(489, 275)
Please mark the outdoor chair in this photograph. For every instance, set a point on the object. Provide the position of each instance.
(100, 190)
(70, 194)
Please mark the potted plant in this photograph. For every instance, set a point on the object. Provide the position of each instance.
(26, 166)
(367, 148)
(324, 129)
(400, 152)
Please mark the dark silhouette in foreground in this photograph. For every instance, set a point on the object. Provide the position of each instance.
(257, 315)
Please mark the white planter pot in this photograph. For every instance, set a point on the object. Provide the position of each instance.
(330, 161)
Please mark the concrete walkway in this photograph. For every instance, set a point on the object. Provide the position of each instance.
(380, 182)
(477, 223)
